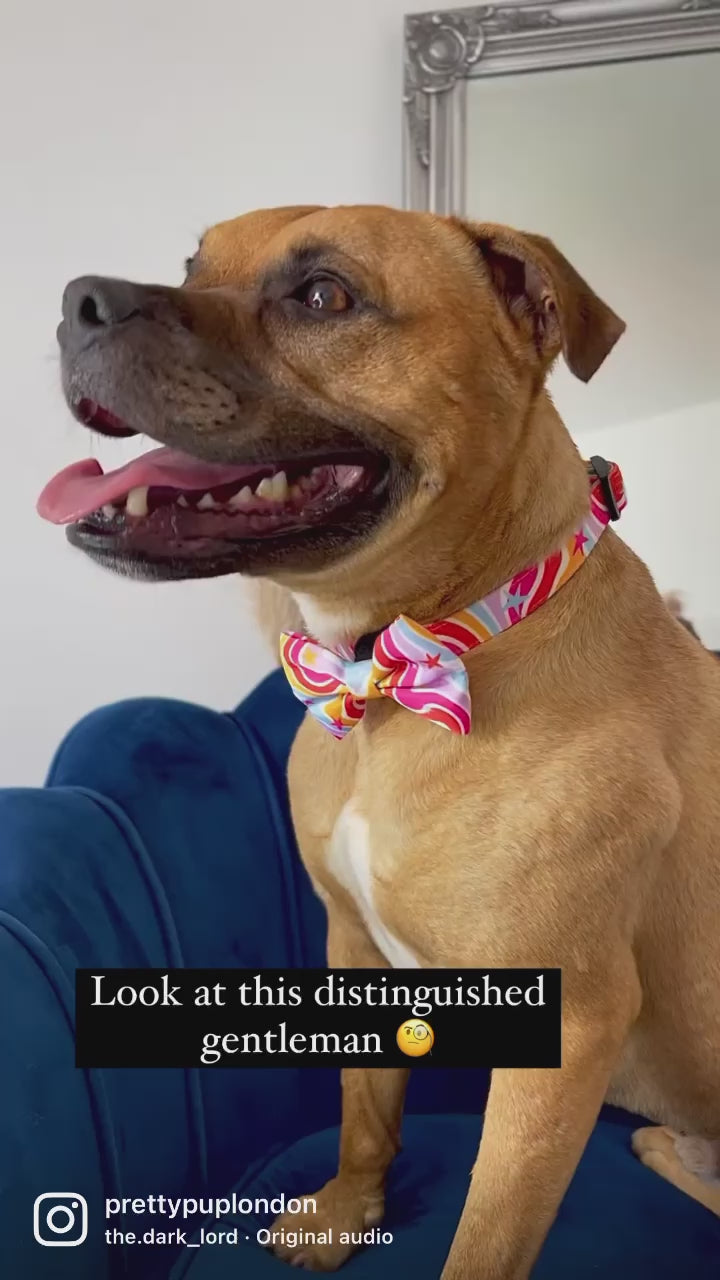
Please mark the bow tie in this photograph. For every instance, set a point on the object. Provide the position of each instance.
(420, 667)
(408, 664)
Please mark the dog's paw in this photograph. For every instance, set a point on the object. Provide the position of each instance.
(655, 1148)
(688, 1163)
(700, 1156)
(665, 1151)
(323, 1240)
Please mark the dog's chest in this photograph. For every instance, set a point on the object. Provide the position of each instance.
(350, 862)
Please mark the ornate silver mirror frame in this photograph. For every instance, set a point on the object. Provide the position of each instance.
(444, 49)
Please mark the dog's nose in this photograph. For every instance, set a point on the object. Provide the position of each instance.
(93, 303)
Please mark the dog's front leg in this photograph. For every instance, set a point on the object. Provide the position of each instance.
(372, 1105)
(537, 1123)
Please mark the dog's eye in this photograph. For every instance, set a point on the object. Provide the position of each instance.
(324, 294)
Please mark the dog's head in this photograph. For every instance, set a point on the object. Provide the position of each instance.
(324, 383)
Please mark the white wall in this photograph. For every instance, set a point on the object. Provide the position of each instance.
(125, 129)
(671, 464)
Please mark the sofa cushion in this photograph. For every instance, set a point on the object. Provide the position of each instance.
(619, 1221)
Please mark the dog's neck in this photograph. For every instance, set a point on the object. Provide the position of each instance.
(534, 506)
(333, 624)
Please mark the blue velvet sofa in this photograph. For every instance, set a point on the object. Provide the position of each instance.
(162, 838)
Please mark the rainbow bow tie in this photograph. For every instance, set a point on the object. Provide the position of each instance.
(408, 664)
(420, 667)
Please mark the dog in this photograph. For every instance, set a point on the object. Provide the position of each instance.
(353, 406)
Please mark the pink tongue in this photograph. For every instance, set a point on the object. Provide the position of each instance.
(83, 487)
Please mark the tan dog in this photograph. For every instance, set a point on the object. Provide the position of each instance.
(396, 362)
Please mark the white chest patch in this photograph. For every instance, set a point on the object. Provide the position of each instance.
(349, 862)
(329, 628)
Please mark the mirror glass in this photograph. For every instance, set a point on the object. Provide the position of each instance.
(619, 164)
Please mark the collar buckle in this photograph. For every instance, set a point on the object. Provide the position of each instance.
(602, 469)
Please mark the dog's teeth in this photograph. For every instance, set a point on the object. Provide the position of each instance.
(182, 501)
(265, 489)
(137, 501)
(109, 510)
(279, 486)
(295, 491)
(243, 498)
(206, 503)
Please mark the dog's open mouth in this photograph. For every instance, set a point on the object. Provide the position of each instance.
(167, 506)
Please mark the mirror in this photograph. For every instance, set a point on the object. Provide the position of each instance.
(597, 125)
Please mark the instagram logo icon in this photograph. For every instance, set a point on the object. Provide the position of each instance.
(60, 1219)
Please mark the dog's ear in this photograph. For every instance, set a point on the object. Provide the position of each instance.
(546, 297)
